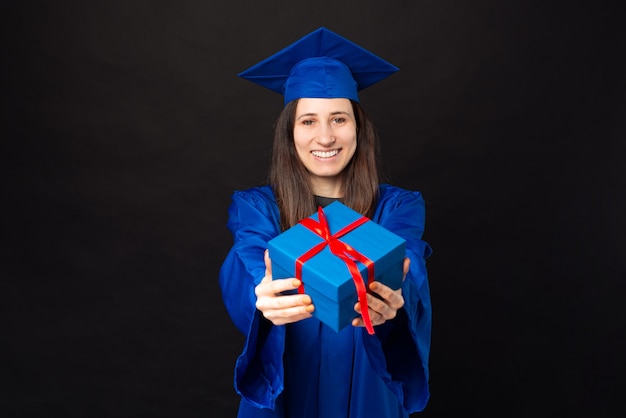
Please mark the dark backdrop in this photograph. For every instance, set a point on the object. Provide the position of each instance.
(125, 130)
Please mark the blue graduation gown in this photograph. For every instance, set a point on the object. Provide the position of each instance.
(306, 369)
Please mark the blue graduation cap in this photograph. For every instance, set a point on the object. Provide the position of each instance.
(322, 64)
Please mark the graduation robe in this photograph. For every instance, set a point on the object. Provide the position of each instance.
(306, 369)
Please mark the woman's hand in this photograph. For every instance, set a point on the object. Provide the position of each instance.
(383, 309)
(278, 308)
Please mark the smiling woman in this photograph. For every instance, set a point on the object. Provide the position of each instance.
(356, 184)
(325, 140)
(325, 149)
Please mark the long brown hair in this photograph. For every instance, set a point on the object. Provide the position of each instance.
(290, 180)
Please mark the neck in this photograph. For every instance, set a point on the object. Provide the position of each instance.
(331, 189)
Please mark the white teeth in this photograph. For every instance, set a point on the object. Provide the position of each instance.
(325, 154)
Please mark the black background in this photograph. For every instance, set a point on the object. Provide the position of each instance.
(125, 130)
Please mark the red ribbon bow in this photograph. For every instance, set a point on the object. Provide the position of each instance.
(345, 252)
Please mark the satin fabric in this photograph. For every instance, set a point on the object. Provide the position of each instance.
(306, 369)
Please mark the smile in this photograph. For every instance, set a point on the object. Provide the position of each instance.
(325, 154)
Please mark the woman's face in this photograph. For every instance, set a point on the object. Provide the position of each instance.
(325, 139)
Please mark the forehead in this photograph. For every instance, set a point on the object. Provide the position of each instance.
(323, 106)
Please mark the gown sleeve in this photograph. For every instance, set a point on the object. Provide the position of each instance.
(253, 221)
(400, 349)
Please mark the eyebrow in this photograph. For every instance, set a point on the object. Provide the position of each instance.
(338, 112)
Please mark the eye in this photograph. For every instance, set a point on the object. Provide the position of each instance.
(307, 122)
(339, 120)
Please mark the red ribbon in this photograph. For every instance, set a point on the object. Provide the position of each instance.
(345, 252)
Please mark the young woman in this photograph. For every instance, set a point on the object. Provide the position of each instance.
(325, 148)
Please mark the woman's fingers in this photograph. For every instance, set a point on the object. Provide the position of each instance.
(285, 309)
(278, 307)
(282, 302)
(380, 309)
(269, 287)
(391, 298)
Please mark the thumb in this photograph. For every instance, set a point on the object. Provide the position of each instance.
(268, 264)
(405, 267)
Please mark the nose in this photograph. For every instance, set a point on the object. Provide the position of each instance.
(326, 136)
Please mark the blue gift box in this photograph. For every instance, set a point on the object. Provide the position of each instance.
(325, 276)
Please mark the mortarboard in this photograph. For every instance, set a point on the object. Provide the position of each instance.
(321, 64)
